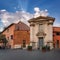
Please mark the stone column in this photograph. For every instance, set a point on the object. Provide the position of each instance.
(50, 35)
(36, 30)
(31, 34)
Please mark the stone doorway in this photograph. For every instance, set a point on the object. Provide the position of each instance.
(41, 42)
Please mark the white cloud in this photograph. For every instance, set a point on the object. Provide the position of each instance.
(1, 29)
(57, 24)
(36, 9)
(3, 10)
(7, 18)
(39, 12)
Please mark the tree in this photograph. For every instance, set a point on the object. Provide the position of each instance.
(3, 39)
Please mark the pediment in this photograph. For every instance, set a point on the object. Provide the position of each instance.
(41, 18)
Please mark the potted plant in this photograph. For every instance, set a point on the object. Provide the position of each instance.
(29, 48)
(48, 48)
(44, 49)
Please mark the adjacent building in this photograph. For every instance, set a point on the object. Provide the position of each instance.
(41, 31)
(56, 37)
(18, 35)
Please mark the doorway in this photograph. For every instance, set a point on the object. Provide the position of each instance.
(57, 44)
(41, 42)
(24, 43)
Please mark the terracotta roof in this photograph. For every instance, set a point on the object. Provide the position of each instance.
(21, 26)
(41, 18)
(56, 29)
(18, 26)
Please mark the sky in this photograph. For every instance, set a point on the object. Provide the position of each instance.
(12, 11)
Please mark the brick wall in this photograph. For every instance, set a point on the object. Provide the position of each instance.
(56, 38)
(19, 36)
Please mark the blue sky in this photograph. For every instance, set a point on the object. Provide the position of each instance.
(53, 7)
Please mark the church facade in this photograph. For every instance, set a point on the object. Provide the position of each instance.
(41, 31)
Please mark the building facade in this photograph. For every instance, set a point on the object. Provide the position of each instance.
(18, 35)
(56, 37)
(41, 32)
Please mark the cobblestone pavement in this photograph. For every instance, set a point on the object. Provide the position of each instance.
(29, 55)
